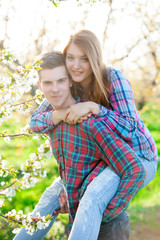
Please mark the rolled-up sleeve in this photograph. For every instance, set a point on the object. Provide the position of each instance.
(41, 119)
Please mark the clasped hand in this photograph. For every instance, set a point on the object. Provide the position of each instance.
(75, 113)
(78, 113)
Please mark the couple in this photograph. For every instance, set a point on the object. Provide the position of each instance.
(104, 158)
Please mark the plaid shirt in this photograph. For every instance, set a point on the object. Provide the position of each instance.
(122, 117)
(124, 120)
(83, 151)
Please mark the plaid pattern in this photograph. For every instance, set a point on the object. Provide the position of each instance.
(122, 117)
(80, 149)
(83, 151)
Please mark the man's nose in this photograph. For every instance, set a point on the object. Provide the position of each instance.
(55, 87)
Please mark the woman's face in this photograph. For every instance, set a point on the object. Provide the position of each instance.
(78, 65)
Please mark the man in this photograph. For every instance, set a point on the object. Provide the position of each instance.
(83, 152)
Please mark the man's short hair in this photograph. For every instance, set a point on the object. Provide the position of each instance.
(52, 60)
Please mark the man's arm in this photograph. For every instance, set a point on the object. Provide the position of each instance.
(126, 164)
(45, 118)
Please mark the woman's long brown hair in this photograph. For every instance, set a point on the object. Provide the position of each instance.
(98, 90)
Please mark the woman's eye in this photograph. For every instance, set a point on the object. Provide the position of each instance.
(84, 59)
(70, 58)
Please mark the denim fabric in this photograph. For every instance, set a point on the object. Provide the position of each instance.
(151, 167)
(94, 200)
(92, 205)
(47, 204)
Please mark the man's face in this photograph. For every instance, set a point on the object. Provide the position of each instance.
(55, 85)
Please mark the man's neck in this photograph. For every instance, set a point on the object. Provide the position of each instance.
(69, 102)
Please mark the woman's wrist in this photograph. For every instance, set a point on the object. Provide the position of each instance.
(94, 107)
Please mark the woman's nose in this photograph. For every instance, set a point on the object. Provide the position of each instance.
(76, 64)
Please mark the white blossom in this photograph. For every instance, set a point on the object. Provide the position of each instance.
(16, 230)
(39, 225)
(30, 230)
(22, 167)
(43, 174)
(48, 155)
(10, 192)
(20, 212)
(1, 172)
(41, 148)
(36, 137)
(2, 183)
(38, 101)
(33, 156)
(1, 202)
(3, 162)
(6, 173)
(38, 214)
(24, 222)
(7, 139)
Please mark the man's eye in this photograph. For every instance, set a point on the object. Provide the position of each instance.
(61, 80)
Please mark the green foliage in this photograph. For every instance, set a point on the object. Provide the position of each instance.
(149, 196)
(151, 116)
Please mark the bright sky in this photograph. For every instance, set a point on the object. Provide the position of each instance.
(27, 17)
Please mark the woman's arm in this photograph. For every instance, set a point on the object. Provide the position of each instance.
(123, 115)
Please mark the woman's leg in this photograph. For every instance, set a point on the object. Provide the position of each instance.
(92, 205)
(151, 167)
(96, 198)
(47, 204)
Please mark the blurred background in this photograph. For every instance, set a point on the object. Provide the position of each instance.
(129, 32)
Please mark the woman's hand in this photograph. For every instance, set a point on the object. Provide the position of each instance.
(63, 204)
(84, 118)
(79, 112)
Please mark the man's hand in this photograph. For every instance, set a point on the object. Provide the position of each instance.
(59, 115)
(63, 204)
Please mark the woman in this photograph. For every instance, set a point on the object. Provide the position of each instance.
(109, 91)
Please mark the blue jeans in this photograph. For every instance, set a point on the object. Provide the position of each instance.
(95, 200)
(92, 205)
(47, 204)
(87, 224)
